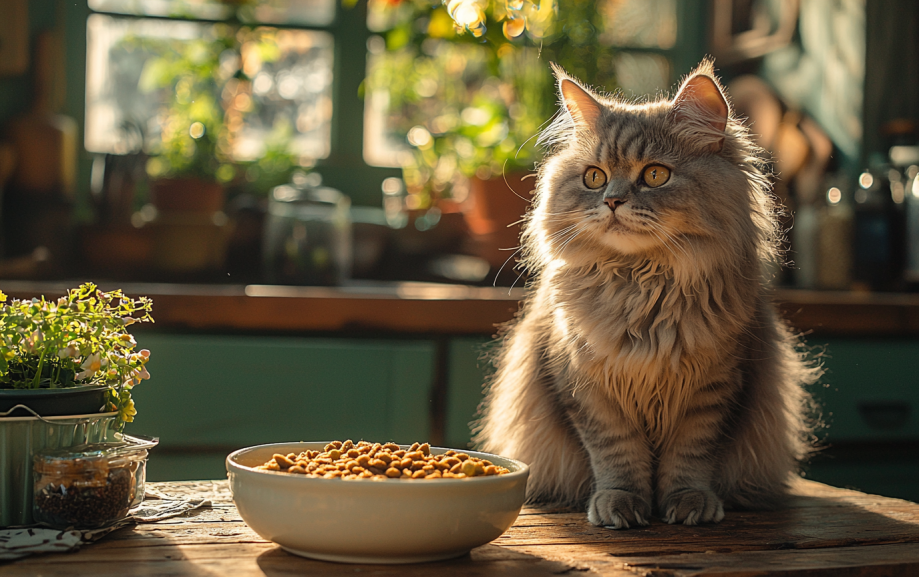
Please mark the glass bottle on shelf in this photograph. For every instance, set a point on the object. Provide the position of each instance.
(911, 202)
(876, 243)
(834, 237)
(900, 140)
(804, 243)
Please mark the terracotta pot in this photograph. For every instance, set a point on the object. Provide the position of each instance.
(186, 195)
(113, 249)
(189, 242)
(497, 204)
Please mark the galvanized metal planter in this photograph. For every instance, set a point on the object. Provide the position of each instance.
(21, 438)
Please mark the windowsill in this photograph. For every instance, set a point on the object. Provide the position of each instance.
(429, 308)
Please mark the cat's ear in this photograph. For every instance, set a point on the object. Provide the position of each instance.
(581, 105)
(700, 105)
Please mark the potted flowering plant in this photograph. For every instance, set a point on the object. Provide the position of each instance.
(57, 356)
(67, 367)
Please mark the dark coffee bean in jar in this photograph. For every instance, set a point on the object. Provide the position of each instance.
(85, 506)
(87, 486)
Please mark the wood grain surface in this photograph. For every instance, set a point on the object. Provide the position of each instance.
(822, 531)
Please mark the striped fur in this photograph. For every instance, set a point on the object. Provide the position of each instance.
(647, 370)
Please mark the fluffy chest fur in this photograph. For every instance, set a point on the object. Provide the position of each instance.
(644, 340)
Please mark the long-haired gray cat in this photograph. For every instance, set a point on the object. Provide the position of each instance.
(647, 367)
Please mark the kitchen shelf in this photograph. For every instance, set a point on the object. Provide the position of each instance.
(430, 308)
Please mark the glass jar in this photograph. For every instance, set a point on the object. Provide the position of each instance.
(307, 235)
(89, 486)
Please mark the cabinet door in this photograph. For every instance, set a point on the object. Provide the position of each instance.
(870, 391)
(209, 395)
(468, 370)
(869, 399)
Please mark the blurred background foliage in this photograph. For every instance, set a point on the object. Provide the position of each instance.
(467, 84)
(207, 94)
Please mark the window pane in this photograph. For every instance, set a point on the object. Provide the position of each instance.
(639, 23)
(203, 9)
(448, 96)
(304, 12)
(291, 72)
(271, 87)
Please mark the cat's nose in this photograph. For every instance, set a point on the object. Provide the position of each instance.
(613, 203)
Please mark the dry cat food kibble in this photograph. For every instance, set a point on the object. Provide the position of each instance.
(347, 460)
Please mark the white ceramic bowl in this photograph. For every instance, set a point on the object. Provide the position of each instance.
(363, 521)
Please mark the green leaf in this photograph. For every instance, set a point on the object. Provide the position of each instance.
(156, 74)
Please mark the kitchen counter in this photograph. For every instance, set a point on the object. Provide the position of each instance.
(429, 308)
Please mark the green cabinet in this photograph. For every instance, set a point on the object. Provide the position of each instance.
(212, 394)
(209, 395)
(468, 370)
(870, 391)
(869, 398)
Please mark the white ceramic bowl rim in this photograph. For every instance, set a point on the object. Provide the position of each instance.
(519, 468)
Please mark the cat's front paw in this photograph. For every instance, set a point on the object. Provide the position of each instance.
(692, 506)
(618, 509)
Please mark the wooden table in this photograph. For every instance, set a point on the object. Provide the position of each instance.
(824, 531)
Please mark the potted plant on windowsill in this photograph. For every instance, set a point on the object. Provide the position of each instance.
(199, 146)
(67, 367)
(189, 145)
(474, 90)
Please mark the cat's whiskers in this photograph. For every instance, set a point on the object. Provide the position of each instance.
(573, 235)
(654, 225)
(562, 231)
(559, 236)
(497, 274)
(565, 213)
(663, 242)
(569, 231)
(573, 217)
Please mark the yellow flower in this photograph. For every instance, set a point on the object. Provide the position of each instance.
(127, 338)
(127, 411)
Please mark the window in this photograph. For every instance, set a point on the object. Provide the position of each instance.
(251, 83)
(287, 78)
(144, 73)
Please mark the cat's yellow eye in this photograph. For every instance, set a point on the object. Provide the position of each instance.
(594, 178)
(656, 175)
